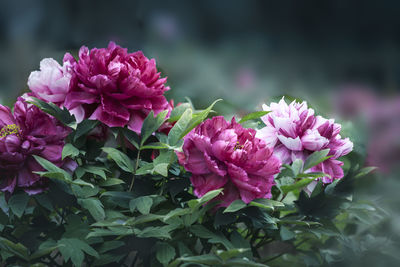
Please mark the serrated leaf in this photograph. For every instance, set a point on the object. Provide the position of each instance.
(142, 204)
(179, 127)
(316, 158)
(69, 151)
(254, 115)
(18, 203)
(165, 252)
(151, 124)
(94, 206)
(235, 206)
(120, 158)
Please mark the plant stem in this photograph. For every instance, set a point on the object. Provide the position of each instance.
(134, 172)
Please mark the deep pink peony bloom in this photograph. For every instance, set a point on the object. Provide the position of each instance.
(225, 155)
(27, 132)
(295, 132)
(116, 87)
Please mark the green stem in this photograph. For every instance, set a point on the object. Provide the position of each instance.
(134, 172)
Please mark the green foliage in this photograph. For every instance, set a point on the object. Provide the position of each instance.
(129, 203)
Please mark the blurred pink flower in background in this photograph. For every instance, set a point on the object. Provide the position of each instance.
(295, 132)
(381, 116)
(222, 154)
(28, 132)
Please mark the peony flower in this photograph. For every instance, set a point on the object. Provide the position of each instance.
(53, 82)
(27, 132)
(225, 155)
(295, 132)
(116, 87)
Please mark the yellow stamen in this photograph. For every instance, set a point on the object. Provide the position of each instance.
(238, 146)
(10, 129)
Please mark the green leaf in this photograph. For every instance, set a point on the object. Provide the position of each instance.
(96, 170)
(162, 169)
(297, 167)
(73, 248)
(165, 252)
(85, 127)
(146, 168)
(286, 234)
(52, 168)
(179, 127)
(142, 204)
(94, 206)
(231, 253)
(111, 182)
(202, 232)
(266, 203)
(44, 201)
(18, 203)
(364, 171)
(176, 212)
(69, 151)
(197, 119)
(298, 185)
(120, 158)
(42, 252)
(62, 115)
(254, 115)
(316, 158)
(177, 112)
(132, 137)
(151, 124)
(18, 249)
(144, 219)
(208, 259)
(195, 203)
(235, 206)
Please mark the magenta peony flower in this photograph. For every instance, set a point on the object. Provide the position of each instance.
(295, 132)
(116, 87)
(53, 82)
(27, 132)
(225, 155)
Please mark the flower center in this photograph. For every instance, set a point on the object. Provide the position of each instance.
(238, 146)
(10, 129)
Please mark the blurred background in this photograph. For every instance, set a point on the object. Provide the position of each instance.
(341, 56)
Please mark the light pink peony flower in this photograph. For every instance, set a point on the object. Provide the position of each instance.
(225, 155)
(53, 82)
(116, 87)
(28, 132)
(295, 132)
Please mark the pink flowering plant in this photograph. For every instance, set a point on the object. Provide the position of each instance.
(97, 168)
